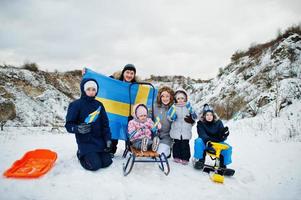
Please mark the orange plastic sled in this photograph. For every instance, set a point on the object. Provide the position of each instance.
(32, 165)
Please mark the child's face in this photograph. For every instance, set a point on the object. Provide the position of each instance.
(181, 100)
(91, 92)
(128, 75)
(165, 98)
(142, 117)
(209, 117)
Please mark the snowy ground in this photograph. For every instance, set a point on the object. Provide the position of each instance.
(265, 169)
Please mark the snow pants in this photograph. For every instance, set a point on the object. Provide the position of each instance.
(181, 149)
(199, 147)
(95, 160)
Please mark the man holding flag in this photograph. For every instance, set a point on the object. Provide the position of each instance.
(118, 97)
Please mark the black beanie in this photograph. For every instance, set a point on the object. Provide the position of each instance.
(130, 67)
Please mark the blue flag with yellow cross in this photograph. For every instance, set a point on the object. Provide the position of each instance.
(92, 117)
(116, 97)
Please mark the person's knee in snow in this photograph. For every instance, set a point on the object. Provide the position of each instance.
(91, 161)
(106, 160)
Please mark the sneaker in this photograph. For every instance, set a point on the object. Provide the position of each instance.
(184, 162)
(177, 160)
(199, 164)
(144, 144)
(155, 144)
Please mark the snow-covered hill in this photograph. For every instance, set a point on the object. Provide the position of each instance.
(40, 98)
(261, 87)
(252, 84)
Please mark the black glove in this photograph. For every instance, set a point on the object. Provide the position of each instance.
(108, 147)
(225, 132)
(84, 128)
(188, 119)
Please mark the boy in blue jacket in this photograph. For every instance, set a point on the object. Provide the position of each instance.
(87, 119)
(210, 129)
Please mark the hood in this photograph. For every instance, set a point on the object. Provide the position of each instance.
(180, 91)
(135, 107)
(116, 75)
(83, 94)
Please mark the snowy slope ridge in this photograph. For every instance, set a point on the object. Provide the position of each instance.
(40, 98)
(252, 85)
(262, 89)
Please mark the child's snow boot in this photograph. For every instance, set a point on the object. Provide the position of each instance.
(144, 143)
(185, 162)
(155, 144)
(199, 164)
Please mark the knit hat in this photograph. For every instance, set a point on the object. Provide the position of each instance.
(130, 67)
(140, 109)
(90, 84)
(207, 108)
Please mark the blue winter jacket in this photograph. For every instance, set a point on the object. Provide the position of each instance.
(78, 110)
(211, 131)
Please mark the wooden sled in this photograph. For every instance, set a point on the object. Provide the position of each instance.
(145, 157)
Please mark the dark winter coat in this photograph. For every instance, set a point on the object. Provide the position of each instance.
(78, 110)
(211, 131)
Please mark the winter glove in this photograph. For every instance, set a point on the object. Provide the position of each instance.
(154, 129)
(209, 144)
(191, 111)
(155, 132)
(108, 146)
(225, 132)
(189, 107)
(188, 119)
(210, 148)
(131, 134)
(84, 128)
(171, 113)
(157, 125)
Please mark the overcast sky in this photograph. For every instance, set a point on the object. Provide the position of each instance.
(182, 37)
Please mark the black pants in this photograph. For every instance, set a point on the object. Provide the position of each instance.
(95, 160)
(181, 149)
(114, 146)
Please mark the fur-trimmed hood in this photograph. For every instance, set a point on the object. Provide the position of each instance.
(215, 117)
(117, 74)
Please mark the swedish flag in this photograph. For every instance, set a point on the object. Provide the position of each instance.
(93, 116)
(116, 97)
